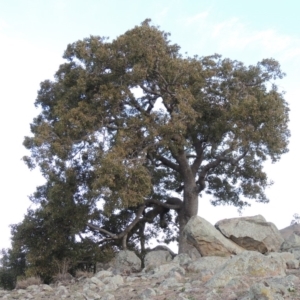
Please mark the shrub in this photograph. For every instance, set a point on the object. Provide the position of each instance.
(23, 283)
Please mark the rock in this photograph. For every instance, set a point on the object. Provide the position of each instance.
(127, 261)
(206, 267)
(250, 264)
(289, 258)
(291, 242)
(183, 259)
(296, 253)
(164, 248)
(264, 291)
(107, 296)
(113, 281)
(248, 275)
(167, 270)
(170, 282)
(156, 258)
(104, 265)
(193, 253)
(97, 281)
(147, 293)
(61, 290)
(252, 233)
(208, 240)
(292, 264)
(274, 288)
(292, 229)
(103, 274)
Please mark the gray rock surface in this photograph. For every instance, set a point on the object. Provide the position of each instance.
(248, 263)
(127, 261)
(291, 242)
(292, 229)
(164, 248)
(208, 240)
(157, 258)
(252, 233)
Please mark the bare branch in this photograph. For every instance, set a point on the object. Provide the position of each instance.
(94, 227)
(125, 232)
(133, 223)
(171, 203)
(215, 163)
(145, 89)
(166, 162)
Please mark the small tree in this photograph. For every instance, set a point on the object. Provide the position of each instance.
(296, 219)
(132, 126)
(12, 265)
(47, 241)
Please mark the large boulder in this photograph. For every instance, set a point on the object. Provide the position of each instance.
(292, 242)
(208, 240)
(164, 248)
(127, 261)
(156, 258)
(252, 233)
(292, 229)
(291, 235)
(249, 264)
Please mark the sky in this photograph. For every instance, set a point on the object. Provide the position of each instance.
(35, 33)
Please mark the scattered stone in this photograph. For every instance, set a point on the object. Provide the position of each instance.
(249, 275)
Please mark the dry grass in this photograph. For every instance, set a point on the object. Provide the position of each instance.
(84, 274)
(62, 277)
(63, 267)
(26, 282)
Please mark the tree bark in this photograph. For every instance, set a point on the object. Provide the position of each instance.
(189, 209)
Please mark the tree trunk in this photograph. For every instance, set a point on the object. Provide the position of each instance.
(189, 209)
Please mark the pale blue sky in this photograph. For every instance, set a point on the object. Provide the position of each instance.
(35, 33)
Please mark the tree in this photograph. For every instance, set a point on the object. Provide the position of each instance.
(132, 125)
(296, 219)
(12, 265)
(46, 240)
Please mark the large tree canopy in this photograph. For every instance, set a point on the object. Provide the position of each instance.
(130, 130)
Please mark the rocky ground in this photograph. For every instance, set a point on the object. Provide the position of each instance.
(242, 258)
(181, 279)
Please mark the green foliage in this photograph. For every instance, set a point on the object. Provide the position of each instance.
(126, 123)
(12, 265)
(7, 279)
(47, 240)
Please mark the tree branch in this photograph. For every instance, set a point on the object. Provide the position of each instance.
(166, 162)
(171, 203)
(199, 158)
(125, 232)
(94, 227)
(145, 89)
(215, 163)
